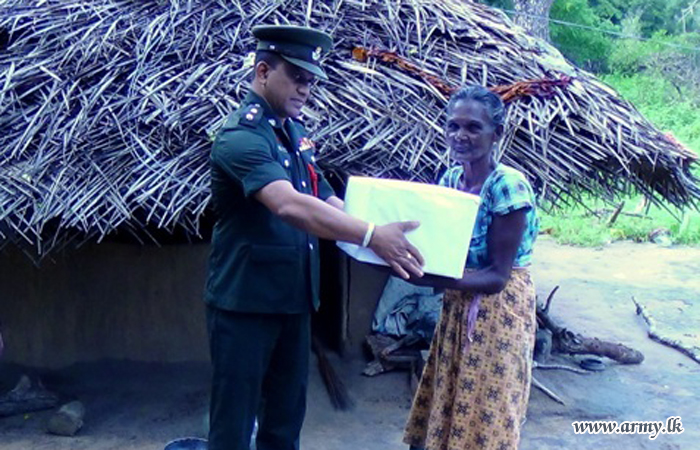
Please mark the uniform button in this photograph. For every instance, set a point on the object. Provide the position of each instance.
(286, 163)
(303, 183)
(311, 246)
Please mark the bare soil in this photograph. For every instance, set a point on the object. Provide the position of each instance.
(142, 406)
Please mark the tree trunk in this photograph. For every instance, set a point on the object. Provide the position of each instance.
(533, 15)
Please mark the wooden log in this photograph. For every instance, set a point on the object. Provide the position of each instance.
(27, 397)
(566, 341)
(582, 345)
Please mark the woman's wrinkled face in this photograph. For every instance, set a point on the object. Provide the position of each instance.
(469, 133)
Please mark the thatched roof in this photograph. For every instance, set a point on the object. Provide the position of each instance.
(108, 107)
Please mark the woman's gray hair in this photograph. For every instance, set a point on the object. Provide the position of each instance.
(494, 106)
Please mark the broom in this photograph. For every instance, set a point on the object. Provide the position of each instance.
(337, 391)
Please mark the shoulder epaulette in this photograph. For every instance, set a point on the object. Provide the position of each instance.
(251, 115)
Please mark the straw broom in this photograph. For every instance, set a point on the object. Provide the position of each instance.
(337, 391)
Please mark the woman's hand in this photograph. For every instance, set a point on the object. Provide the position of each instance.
(505, 234)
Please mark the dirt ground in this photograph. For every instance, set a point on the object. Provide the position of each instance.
(143, 406)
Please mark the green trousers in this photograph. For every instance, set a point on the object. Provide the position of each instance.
(260, 368)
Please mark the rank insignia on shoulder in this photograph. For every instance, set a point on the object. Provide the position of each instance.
(251, 115)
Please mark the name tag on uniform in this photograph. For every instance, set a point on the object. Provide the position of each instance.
(306, 144)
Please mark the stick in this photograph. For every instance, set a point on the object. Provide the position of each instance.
(616, 214)
(654, 335)
(546, 390)
(337, 391)
(536, 365)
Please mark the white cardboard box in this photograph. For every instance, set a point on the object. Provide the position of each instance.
(446, 215)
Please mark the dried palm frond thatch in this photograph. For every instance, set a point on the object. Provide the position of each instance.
(108, 107)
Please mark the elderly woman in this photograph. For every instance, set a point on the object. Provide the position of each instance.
(475, 386)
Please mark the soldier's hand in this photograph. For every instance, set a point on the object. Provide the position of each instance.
(390, 244)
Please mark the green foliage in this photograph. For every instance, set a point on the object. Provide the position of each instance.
(586, 47)
(653, 15)
(591, 46)
(662, 103)
(502, 4)
(665, 54)
(577, 225)
(574, 229)
(651, 71)
(630, 56)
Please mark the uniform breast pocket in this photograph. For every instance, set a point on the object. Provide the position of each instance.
(273, 274)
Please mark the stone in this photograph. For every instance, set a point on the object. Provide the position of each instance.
(68, 420)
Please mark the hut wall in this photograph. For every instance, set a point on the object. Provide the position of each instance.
(122, 301)
(366, 285)
(104, 301)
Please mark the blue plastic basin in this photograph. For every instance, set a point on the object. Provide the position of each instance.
(189, 443)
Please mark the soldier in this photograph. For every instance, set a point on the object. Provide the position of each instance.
(272, 203)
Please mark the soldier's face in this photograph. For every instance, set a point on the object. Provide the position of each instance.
(288, 87)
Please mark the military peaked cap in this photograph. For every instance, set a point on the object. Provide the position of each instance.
(300, 46)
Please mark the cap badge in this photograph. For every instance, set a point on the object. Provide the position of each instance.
(249, 60)
(316, 54)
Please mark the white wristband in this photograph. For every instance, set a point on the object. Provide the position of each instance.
(368, 235)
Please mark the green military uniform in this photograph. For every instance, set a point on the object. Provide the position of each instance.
(263, 272)
(260, 263)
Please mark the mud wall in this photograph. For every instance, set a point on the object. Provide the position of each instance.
(141, 303)
(120, 301)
